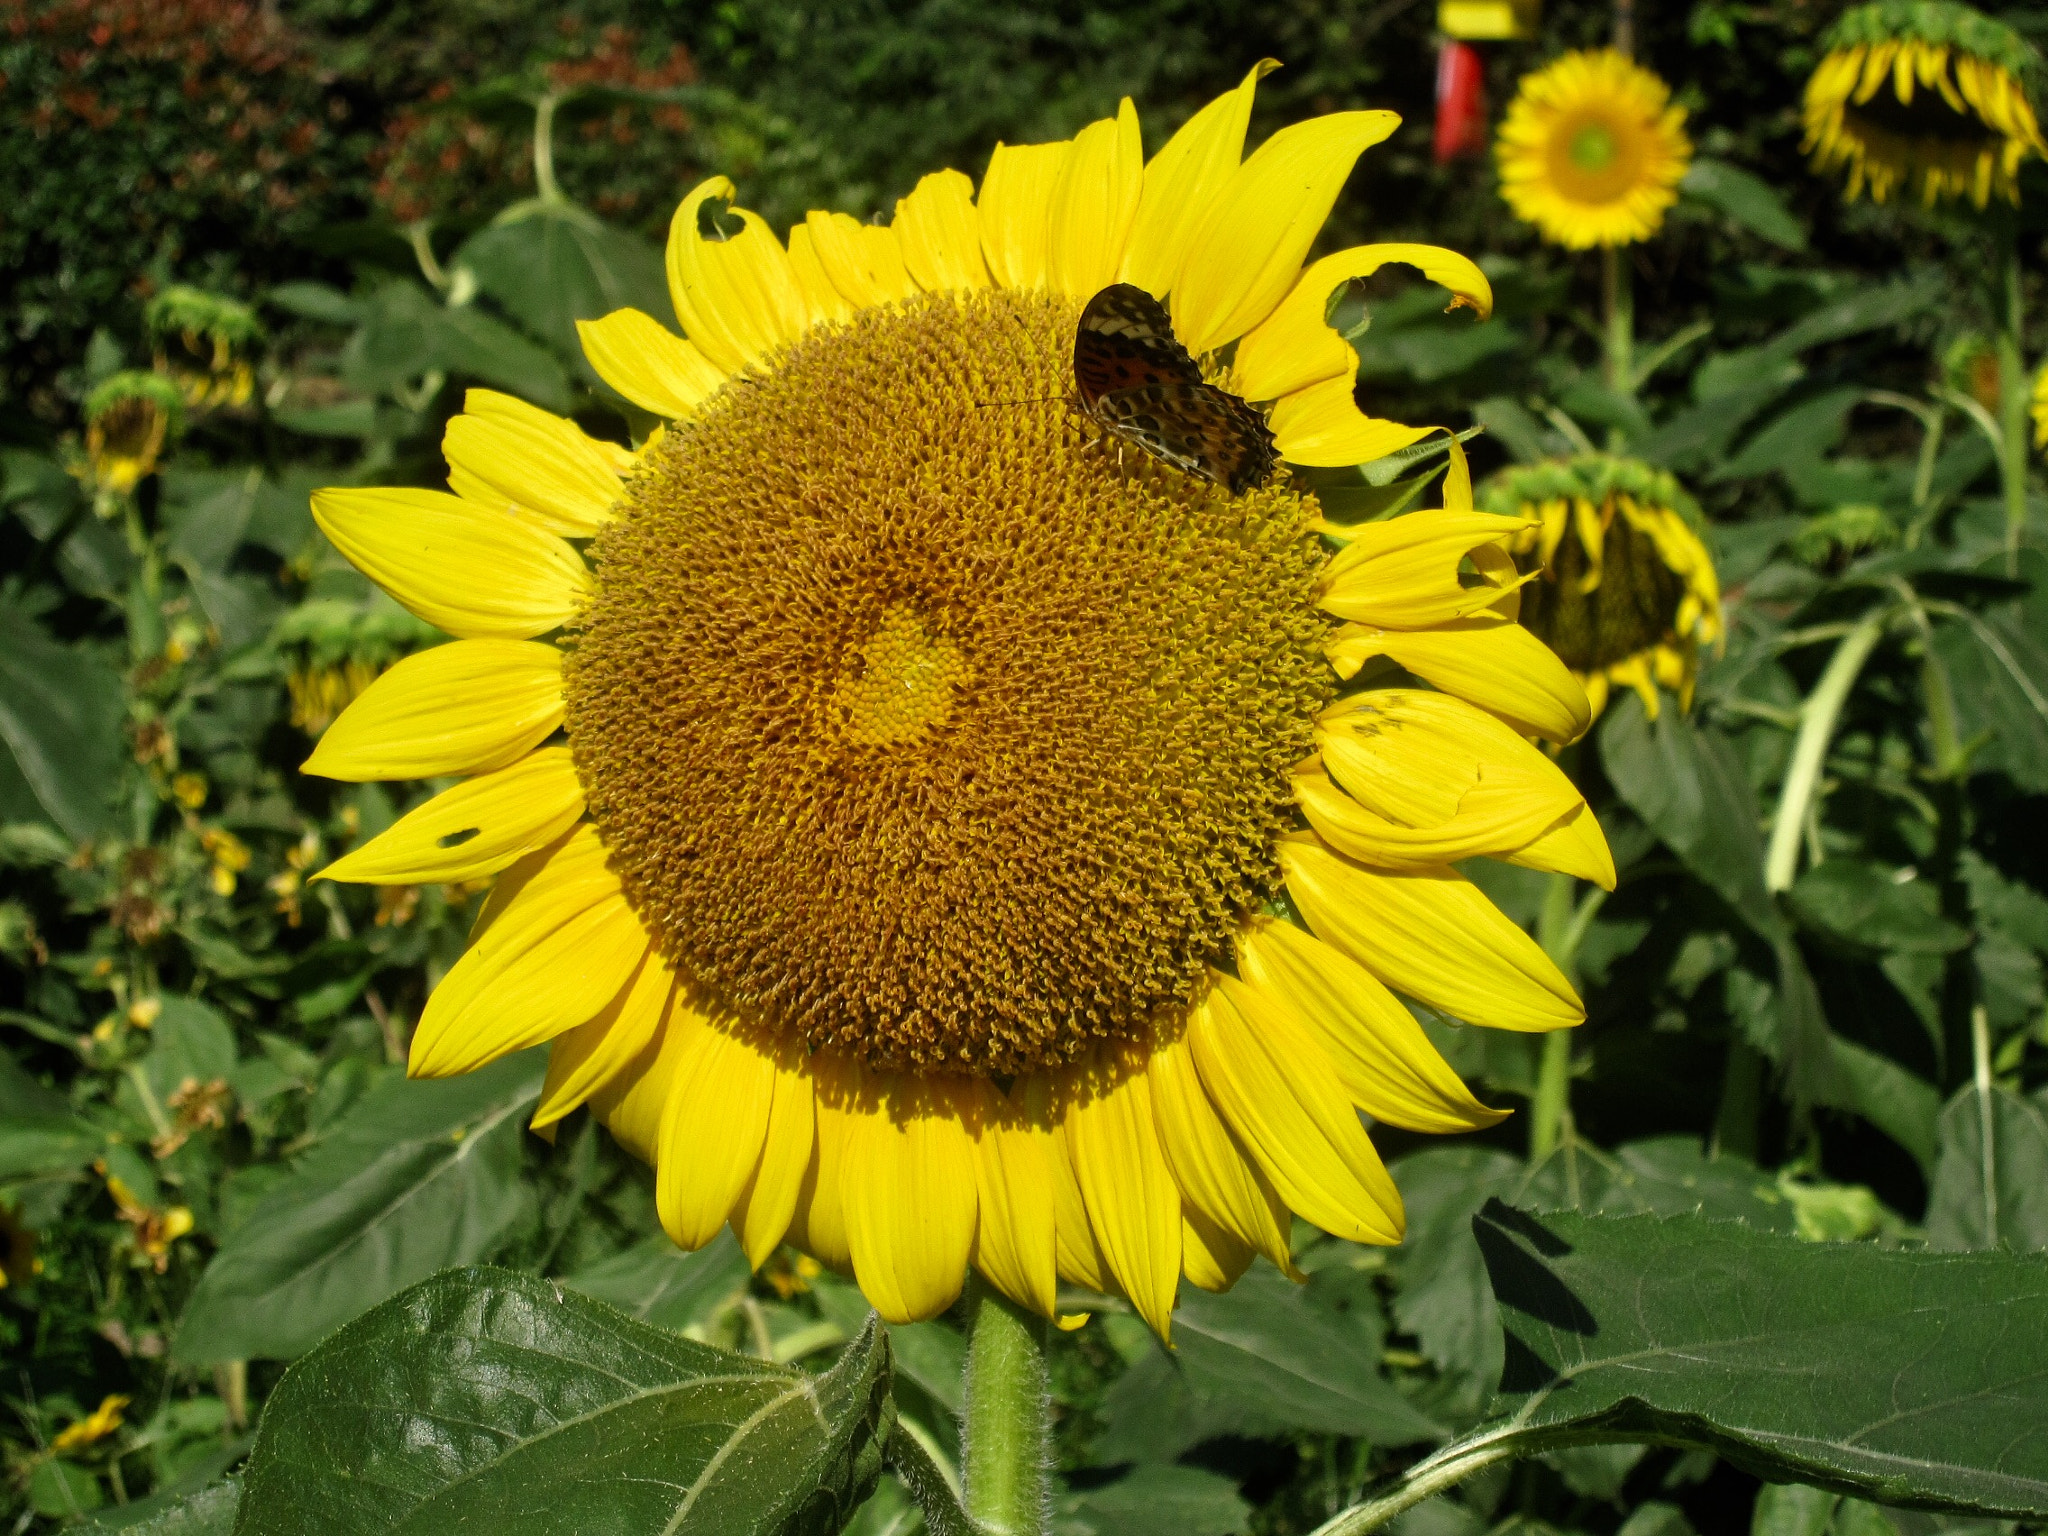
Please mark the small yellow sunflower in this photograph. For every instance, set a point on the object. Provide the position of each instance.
(1617, 582)
(908, 885)
(1926, 95)
(127, 421)
(1592, 150)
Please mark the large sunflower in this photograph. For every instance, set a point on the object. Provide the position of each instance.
(1621, 586)
(1592, 150)
(959, 852)
(1926, 95)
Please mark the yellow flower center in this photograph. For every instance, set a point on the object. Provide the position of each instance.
(919, 721)
(1592, 147)
(1594, 157)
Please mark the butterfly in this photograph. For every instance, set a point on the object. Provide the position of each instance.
(1137, 382)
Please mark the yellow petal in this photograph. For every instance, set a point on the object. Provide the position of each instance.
(711, 1132)
(862, 261)
(542, 962)
(1403, 573)
(1433, 936)
(1094, 203)
(1080, 1258)
(1382, 1057)
(1133, 1202)
(633, 1104)
(1275, 1088)
(1322, 426)
(1577, 845)
(1182, 180)
(826, 302)
(468, 707)
(940, 234)
(1015, 210)
(474, 829)
(1486, 660)
(1210, 1256)
(648, 363)
(818, 1224)
(1227, 1193)
(1295, 347)
(1248, 248)
(738, 299)
(583, 1061)
(1013, 1244)
(768, 1203)
(513, 457)
(909, 1193)
(476, 574)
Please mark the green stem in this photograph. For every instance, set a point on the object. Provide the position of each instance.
(1427, 1479)
(1618, 308)
(1987, 1120)
(2012, 397)
(544, 184)
(1007, 1454)
(1817, 717)
(1560, 928)
(1742, 1097)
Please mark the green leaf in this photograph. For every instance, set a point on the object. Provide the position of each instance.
(1998, 675)
(482, 1400)
(38, 1132)
(61, 716)
(1800, 435)
(2000, 1200)
(1903, 1106)
(416, 1177)
(1749, 200)
(1157, 1501)
(656, 1282)
(1864, 906)
(208, 1512)
(560, 264)
(1908, 1378)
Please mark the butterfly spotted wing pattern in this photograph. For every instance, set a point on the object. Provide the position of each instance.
(1138, 383)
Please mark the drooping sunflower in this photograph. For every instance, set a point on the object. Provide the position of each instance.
(128, 418)
(960, 851)
(1927, 95)
(203, 342)
(1619, 583)
(1592, 150)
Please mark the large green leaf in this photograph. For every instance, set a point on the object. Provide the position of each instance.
(60, 715)
(209, 1511)
(1865, 906)
(415, 1178)
(1998, 674)
(1910, 1378)
(654, 1281)
(1157, 1501)
(559, 264)
(1995, 1195)
(38, 1131)
(482, 1400)
(1749, 200)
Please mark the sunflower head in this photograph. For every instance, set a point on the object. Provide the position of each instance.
(1619, 584)
(1592, 150)
(1927, 95)
(894, 785)
(128, 418)
(203, 340)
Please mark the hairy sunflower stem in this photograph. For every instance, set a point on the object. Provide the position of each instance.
(1817, 717)
(1618, 310)
(1007, 1416)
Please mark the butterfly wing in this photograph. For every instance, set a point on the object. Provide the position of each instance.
(1125, 341)
(1195, 427)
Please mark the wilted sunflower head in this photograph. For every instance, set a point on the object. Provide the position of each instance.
(203, 340)
(334, 649)
(1592, 150)
(1927, 95)
(891, 781)
(128, 418)
(1621, 586)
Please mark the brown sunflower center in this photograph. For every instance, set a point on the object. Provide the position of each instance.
(920, 723)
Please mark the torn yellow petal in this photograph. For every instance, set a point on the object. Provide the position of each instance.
(1382, 1057)
(1277, 1091)
(1295, 347)
(1248, 248)
(1228, 1193)
(1322, 426)
(1015, 210)
(910, 1198)
(512, 457)
(475, 573)
(737, 299)
(863, 261)
(1484, 659)
(1094, 203)
(467, 707)
(1403, 573)
(583, 1061)
(766, 1206)
(711, 1132)
(940, 234)
(474, 829)
(1133, 1202)
(549, 959)
(1182, 180)
(1433, 936)
(1013, 1243)
(649, 364)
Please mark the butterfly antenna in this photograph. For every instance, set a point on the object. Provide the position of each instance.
(1032, 400)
